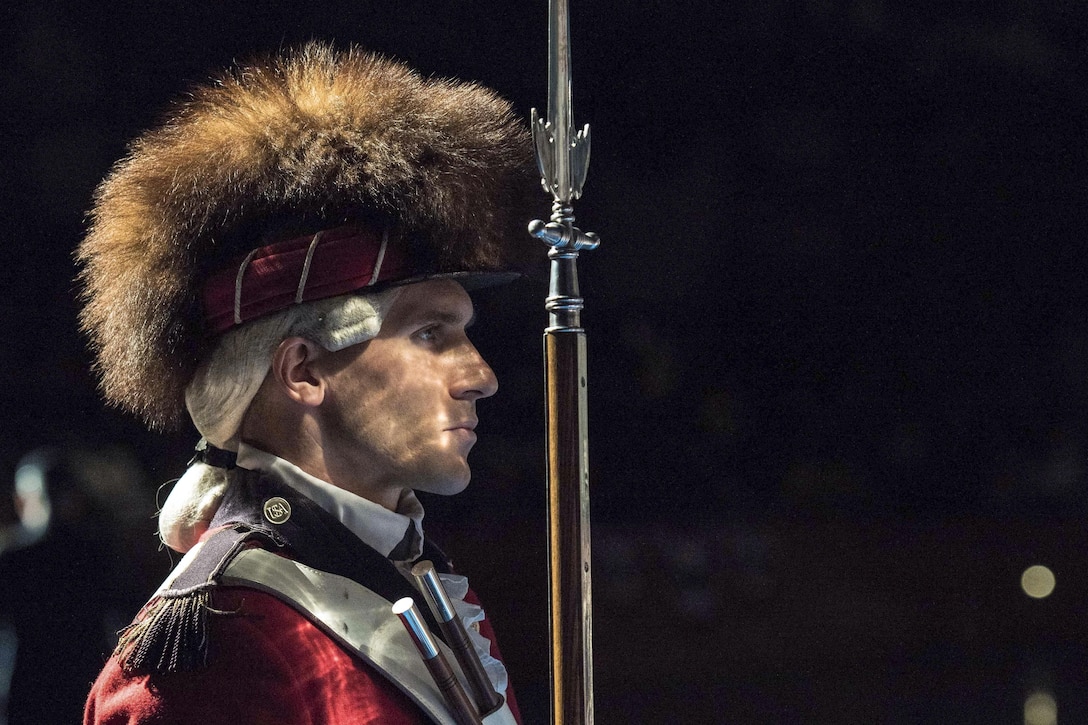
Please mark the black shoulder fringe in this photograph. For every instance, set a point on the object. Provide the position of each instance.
(171, 636)
(171, 632)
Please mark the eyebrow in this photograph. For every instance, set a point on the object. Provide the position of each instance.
(448, 318)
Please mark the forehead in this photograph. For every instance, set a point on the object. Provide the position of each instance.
(437, 300)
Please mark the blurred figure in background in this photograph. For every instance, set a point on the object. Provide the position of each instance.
(67, 581)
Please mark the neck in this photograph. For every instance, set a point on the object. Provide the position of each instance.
(295, 434)
(306, 451)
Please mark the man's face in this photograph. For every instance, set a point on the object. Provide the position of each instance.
(400, 409)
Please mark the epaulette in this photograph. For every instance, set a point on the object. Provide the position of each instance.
(171, 632)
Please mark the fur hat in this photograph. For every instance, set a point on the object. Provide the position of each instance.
(309, 141)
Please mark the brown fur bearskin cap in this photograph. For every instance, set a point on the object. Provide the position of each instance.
(315, 135)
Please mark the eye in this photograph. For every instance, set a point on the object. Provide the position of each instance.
(427, 334)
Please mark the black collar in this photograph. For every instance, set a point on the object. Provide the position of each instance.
(314, 537)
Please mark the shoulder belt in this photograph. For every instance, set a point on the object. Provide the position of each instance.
(357, 618)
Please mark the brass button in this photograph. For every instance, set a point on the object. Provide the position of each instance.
(277, 510)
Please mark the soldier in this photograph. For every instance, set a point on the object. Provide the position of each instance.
(287, 257)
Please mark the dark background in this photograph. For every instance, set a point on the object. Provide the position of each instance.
(838, 344)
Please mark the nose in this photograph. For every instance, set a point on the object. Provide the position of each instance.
(477, 379)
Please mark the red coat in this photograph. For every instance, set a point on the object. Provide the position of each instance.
(266, 664)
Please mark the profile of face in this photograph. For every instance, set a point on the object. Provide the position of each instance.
(399, 410)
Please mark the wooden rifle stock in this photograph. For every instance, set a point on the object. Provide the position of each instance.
(568, 528)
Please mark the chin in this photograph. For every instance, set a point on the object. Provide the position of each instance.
(446, 485)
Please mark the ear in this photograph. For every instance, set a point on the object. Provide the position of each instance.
(295, 372)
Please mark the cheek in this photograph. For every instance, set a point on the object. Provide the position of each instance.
(416, 410)
(415, 391)
(396, 396)
(395, 410)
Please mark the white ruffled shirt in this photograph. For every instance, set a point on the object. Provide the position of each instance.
(382, 530)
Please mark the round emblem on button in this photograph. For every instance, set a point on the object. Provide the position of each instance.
(277, 510)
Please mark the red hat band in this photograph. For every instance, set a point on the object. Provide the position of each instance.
(272, 278)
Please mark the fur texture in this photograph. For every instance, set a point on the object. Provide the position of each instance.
(317, 137)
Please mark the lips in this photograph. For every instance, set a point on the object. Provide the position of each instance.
(465, 431)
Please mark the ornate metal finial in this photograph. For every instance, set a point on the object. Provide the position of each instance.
(563, 158)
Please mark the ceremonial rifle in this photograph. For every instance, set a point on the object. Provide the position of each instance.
(563, 157)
